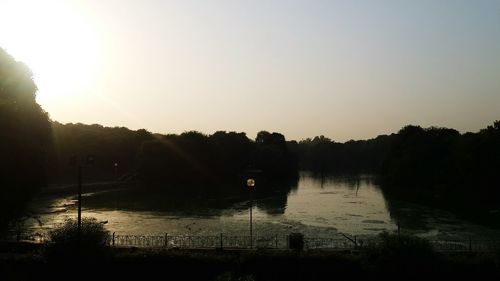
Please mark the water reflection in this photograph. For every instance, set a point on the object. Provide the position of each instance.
(348, 204)
(435, 223)
(138, 200)
(275, 205)
(314, 206)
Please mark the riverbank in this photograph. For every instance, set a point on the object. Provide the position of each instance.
(141, 264)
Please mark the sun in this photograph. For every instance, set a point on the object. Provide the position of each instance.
(57, 41)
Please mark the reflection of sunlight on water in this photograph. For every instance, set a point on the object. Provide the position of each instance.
(350, 207)
(316, 208)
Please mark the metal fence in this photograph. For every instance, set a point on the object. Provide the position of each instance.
(466, 245)
(343, 242)
(196, 242)
(338, 243)
(35, 237)
(282, 242)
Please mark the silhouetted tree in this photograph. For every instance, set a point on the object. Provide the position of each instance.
(24, 137)
(197, 164)
(107, 145)
(421, 156)
(324, 156)
(274, 158)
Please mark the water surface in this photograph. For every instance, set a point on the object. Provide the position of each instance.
(321, 207)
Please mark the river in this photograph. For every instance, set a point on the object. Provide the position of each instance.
(318, 207)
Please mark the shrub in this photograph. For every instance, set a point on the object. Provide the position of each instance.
(402, 253)
(404, 245)
(65, 241)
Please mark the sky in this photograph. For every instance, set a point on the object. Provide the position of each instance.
(342, 69)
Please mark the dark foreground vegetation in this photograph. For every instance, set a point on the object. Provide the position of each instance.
(397, 257)
(436, 166)
(146, 264)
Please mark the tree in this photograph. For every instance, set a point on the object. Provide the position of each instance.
(25, 133)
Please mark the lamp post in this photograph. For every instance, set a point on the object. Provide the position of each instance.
(79, 202)
(89, 162)
(251, 185)
(116, 170)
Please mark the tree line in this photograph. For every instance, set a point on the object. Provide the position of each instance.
(437, 166)
(187, 162)
(415, 157)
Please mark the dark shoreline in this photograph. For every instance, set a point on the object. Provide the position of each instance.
(139, 264)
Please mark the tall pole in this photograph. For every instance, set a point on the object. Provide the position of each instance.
(79, 202)
(251, 207)
(250, 185)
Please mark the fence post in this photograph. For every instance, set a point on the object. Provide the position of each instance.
(166, 240)
(221, 241)
(113, 239)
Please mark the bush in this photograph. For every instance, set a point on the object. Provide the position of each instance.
(92, 243)
(404, 245)
(402, 253)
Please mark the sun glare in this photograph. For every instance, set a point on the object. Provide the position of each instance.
(56, 41)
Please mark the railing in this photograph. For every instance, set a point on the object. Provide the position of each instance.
(192, 242)
(35, 237)
(466, 245)
(341, 242)
(137, 240)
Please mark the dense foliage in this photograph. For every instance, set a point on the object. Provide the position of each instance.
(437, 166)
(24, 137)
(185, 163)
(324, 156)
(402, 253)
(415, 157)
(92, 232)
(73, 143)
(65, 241)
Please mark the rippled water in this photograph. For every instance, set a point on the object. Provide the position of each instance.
(316, 207)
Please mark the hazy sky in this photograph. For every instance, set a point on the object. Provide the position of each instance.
(343, 69)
